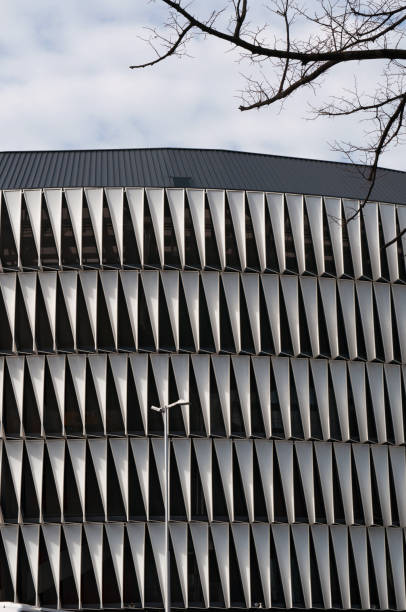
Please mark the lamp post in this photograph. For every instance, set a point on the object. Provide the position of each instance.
(164, 410)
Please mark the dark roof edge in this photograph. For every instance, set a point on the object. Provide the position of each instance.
(269, 155)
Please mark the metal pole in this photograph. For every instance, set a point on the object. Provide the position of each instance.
(167, 513)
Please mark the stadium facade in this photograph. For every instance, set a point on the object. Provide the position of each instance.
(253, 287)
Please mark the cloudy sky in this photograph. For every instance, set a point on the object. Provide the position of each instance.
(65, 83)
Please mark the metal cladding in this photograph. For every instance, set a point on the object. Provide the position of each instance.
(284, 327)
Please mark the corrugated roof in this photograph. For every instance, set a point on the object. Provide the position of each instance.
(211, 168)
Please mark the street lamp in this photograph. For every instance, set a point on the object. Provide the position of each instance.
(164, 410)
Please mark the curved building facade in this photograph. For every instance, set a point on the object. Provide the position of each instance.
(255, 288)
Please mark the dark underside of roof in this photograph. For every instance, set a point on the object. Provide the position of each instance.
(208, 168)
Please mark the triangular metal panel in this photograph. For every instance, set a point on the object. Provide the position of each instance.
(115, 537)
(320, 535)
(15, 366)
(370, 217)
(245, 458)
(136, 537)
(179, 537)
(56, 453)
(35, 452)
(94, 198)
(300, 369)
(250, 283)
(77, 453)
(13, 205)
(241, 537)
(383, 302)
(325, 464)
(338, 372)
(200, 540)
(98, 451)
(119, 365)
(140, 450)
(284, 452)
(57, 368)
(399, 299)
(47, 281)
(180, 365)
(335, 221)
(363, 467)
(314, 208)
(201, 369)
(221, 367)
(231, 284)
(36, 368)
(73, 537)
(14, 450)
(157, 534)
(236, 202)
(69, 289)
(182, 451)
(398, 464)
(270, 284)
(339, 535)
(280, 367)
(139, 366)
(262, 372)
(364, 293)
(381, 465)
(329, 302)
(277, 215)
(9, 535)
(158, 448)
(224, 452)
(347, 300)
(261, 535)
(129, 281)
(211, 289)
(119, 449)
(375, 379)
(356, 372)
(264, 450)
(135, 199)
(52, 537)
(304, 452)
(94, 536)
(256, 203)
(115, 202)
(203, 450)
(1, 400)
(74, 201)
(308, 287)
(160, 369)
(170, 282)
(295, 209)
(176, 200)
(150, 283)
(53, 199)
(8, 291)
(28, 284)
(196, 203)
(393, 385)
(77, 364)
(88, 280)
(216, 199)
(388, 216)
(395, 543)
(30, 535)
(33, 200)
(281, 536)
(289, 286)
(220, 534)
(301, 541)
(156, 206)
(353, 221)
(378, 550)
(109, 279)
(343, 460)
(358, 537)
(190, 283)
(401, 211)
